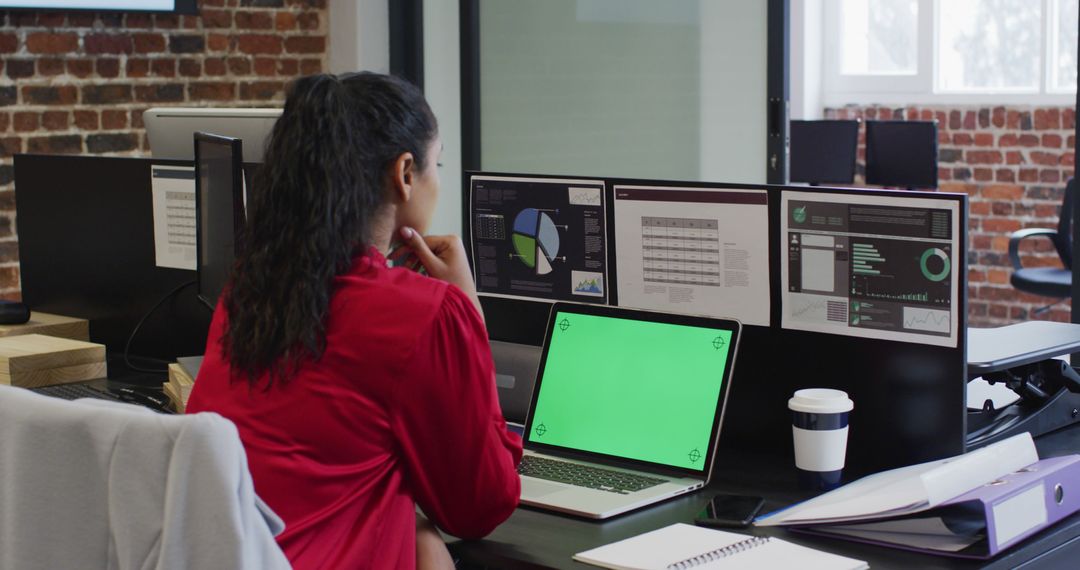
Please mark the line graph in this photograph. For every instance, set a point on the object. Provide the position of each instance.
(930, 320)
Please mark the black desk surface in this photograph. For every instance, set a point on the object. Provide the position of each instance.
(536, 539)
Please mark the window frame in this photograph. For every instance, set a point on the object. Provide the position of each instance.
(922, 87)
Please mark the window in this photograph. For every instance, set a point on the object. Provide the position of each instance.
(924, 51)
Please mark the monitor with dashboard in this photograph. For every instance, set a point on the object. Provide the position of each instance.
(839, 288)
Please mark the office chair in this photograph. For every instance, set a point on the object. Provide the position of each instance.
(1046, 281)
(96, 484)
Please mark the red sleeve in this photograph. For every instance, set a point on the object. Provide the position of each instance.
(458, 456)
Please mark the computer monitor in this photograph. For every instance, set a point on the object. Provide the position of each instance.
(169, 129)
(902, 154)
(696, 249)
(823, 152)
(539, 238)
(219, 210)
(873, 265)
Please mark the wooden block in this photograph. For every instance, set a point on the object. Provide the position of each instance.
(52, 325)
(178, 403)
(51, 376)
(38, 352)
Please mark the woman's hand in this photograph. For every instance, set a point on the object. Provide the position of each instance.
(443, 257)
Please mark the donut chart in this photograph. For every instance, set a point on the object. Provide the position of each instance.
(536, 240)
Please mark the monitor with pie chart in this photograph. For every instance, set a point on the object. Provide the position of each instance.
(539, 238)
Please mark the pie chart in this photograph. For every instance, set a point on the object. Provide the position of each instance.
(536, 240)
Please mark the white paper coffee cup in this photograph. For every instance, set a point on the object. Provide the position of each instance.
(820, 431)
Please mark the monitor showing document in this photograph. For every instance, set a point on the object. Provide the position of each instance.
(701, 251)
(873, 266)
(539, 238)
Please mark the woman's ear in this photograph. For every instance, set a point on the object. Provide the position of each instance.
(402, 174)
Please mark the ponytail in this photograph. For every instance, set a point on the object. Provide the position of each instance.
(311, 210)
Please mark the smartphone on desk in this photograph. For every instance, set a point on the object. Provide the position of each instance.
(730, 511)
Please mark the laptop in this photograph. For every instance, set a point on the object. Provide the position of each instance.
(626, 410)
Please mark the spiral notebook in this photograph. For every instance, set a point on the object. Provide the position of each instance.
(683, 546)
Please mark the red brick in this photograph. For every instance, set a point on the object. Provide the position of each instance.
(963, 139)
(983, 174)
(10, 146)
(189, 68)
(137, 67)
(212, 91)
(1050, 176)
(259, 44)
(215, 66)
(80, 67)
(166, 21)
(1028, 140)
(216, 18)
(969, 120)
(1002, 192)
(1047, 119)
(309, 21)
(265, 66)
(239, 65)
(1051, 141)
(163, 67)
(285, 21)
(26, 121)
(1029, 175)
(979, 208)
(1004, 175)
(81, 19)
(1000, 225)
(139, 21)
(1044, 158)
(313, 66)
(9, 43)
(5, 121)
(1014, 157)
(217, 42)
(86, 120)
(1068, 118)
(984, 139)
(1008, 139)
(55, 120)
(148, 43)
(253, 20)
(984, 157)
(114, 120)
(48, 42)
(288, 67)
(50, 66)
(261, 90)
(1012, 119)
(306, 44)
(108, 67)
(108, 43)
(997, 276)
(60, 95)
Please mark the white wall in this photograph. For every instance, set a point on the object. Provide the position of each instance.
(734, 62)
(442, 87)
(807, 58)
(359, 36)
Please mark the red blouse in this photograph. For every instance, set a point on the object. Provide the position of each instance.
(400, 410)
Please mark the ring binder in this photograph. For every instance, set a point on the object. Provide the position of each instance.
(729, 550)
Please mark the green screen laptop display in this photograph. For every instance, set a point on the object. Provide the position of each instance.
(634, 389)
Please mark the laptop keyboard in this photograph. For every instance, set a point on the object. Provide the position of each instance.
(74, 392)
(585, 475)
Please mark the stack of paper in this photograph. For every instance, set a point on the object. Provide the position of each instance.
(34, 360)
(178, 388)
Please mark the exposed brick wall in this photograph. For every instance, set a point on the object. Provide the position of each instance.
(77, 83)
(1013, 163)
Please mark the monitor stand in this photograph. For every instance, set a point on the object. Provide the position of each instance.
(1021, 356)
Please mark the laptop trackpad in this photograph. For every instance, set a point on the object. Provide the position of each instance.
(534, 489)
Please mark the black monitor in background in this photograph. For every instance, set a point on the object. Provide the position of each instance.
(823, 152)
(902, 154)
(219, 210)
(86, 249)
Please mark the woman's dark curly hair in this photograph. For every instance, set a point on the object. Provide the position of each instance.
(323, 179)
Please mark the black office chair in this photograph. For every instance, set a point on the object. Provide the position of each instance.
(1046, 281)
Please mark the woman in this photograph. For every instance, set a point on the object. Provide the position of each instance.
(360, 392)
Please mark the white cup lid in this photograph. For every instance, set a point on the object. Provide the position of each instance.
(820, 401)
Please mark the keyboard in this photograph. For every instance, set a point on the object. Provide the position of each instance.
(585, 475)
(74, 392)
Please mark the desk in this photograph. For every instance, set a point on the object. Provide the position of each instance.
(537, 539)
